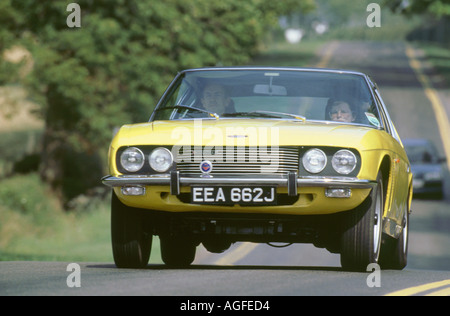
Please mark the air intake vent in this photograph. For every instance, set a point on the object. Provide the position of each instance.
(239, 160)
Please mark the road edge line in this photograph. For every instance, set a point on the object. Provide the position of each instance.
(420, 288)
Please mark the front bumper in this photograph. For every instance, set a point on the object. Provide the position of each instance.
(295, 195)
(291, 181)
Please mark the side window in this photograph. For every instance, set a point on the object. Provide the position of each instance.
(390, 128)
(382, 112)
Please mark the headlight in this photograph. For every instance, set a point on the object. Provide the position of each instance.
(132, 159)
(314, 160)
(161, 159)
(344, 161)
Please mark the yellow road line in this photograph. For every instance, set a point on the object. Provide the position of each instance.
(425, 287)
(237, 254)
(328, 54)
(430, 92)
(443, 292)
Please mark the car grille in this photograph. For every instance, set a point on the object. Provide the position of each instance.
(239, 160)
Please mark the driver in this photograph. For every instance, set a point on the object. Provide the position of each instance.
(215, 98)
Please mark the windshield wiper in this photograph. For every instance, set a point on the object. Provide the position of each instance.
(267, 114)
(180, 106)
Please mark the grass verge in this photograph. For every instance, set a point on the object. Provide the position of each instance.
(33, 227)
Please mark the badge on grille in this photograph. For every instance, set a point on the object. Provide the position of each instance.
(206, 166)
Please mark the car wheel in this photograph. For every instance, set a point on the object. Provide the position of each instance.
(361, 239)
(395, 250)
(131, 244)
(177, 252)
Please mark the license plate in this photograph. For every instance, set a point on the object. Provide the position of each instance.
(229, 195)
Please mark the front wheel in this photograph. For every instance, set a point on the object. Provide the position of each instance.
(361, 239)
(131, 244)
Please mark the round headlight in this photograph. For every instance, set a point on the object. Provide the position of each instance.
(161, 159)
(314, 160)
(132, 159)
(344, 161)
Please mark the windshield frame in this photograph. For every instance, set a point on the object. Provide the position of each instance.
(181, 75)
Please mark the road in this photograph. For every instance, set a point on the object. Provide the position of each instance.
(257, 269)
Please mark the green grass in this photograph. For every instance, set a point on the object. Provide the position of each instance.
(33, 227)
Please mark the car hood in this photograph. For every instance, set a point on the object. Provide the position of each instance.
(250, 132)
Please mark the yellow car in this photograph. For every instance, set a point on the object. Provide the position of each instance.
(264, 155)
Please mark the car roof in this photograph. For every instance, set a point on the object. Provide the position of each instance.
(305, 69)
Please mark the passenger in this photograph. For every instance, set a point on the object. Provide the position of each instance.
(340, 111)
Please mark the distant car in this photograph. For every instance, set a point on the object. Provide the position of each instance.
(262, 155)
(426, 165)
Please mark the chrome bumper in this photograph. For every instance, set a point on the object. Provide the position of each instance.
(290, 180)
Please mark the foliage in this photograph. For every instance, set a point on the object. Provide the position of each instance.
(438, 8)
(436, 14)
(112, 69)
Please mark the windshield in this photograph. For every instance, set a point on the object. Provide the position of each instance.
(288, 94)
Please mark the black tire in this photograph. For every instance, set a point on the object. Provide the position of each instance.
(395, 251)
(361, 239)
(177, 252)
(131, 244)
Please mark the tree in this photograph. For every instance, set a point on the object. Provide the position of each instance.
(113, 68)
(437, 13)
(437, 8)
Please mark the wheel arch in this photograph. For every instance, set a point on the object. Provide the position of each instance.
(385, 168)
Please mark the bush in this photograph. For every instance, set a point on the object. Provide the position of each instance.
(34, 227)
